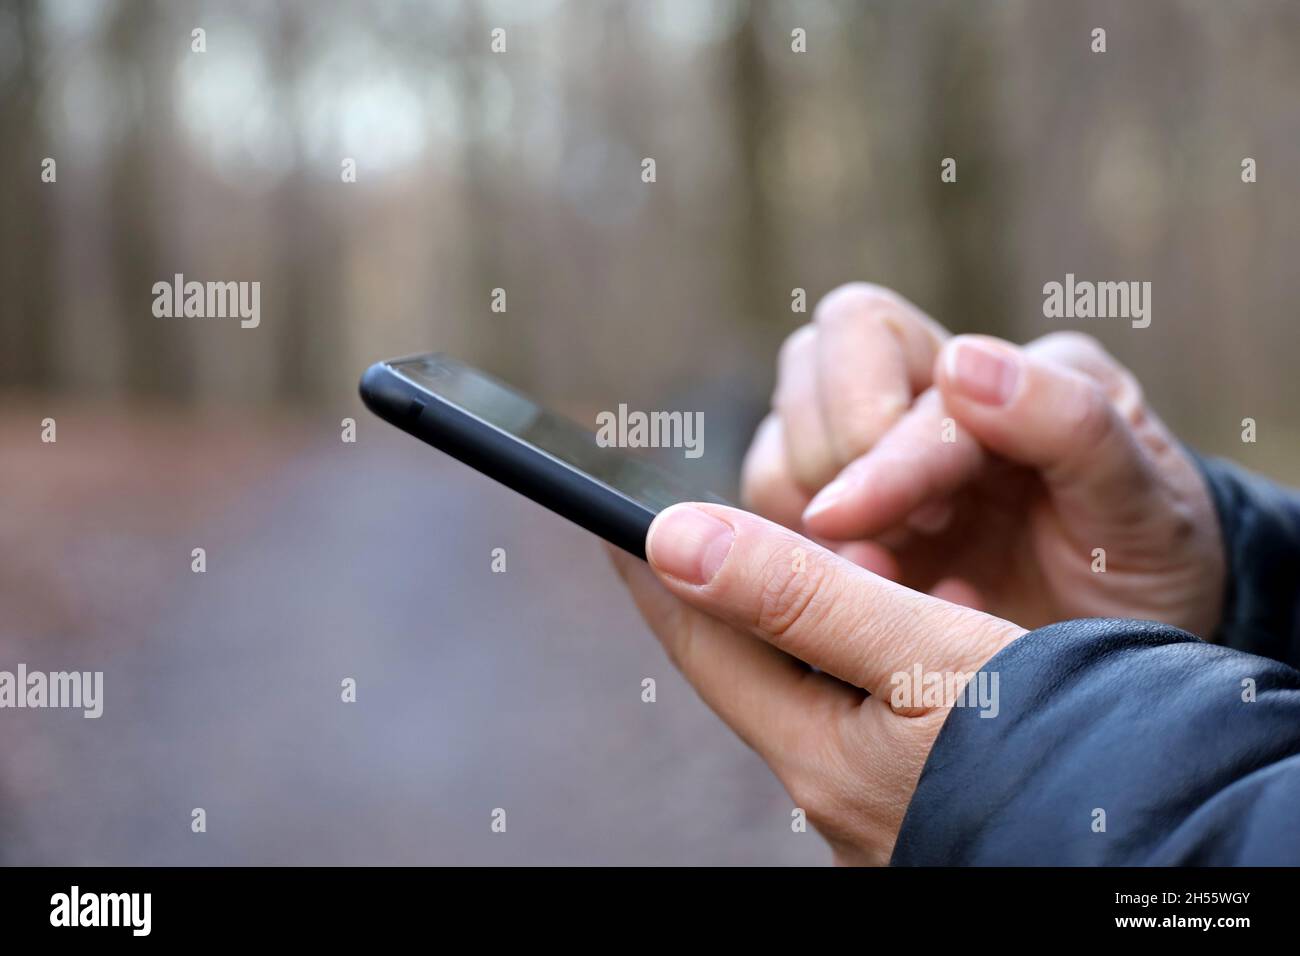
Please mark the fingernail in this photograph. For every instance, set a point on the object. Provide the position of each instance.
(689, 544)
(827, 498)
(984, 373)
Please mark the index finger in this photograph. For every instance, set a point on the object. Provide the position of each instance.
(923, 458)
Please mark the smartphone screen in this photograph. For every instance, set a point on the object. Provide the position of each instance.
(501, 407)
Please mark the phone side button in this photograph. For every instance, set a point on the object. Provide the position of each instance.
(415, 408)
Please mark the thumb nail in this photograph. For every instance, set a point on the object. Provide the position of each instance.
(689, 544)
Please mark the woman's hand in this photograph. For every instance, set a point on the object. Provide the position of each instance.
(739, 602)
(1030, 482)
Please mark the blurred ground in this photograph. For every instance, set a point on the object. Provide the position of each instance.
(325, 560)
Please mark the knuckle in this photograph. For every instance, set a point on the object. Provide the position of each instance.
(863, 423)
(794, 351)
(856, 301)
(1121, 385)
(1071, 340)
(1090, 418)
(755, 476)
(765, 444)
(1186, 525)
(1129, 397)
(788, 598)
(795, 344)
(761, 481)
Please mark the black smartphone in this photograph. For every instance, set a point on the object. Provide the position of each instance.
(507, 436)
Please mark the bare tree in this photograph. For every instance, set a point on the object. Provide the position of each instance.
(27, 288)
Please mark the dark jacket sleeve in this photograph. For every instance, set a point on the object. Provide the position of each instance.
(1261, 535)
(1116, 742)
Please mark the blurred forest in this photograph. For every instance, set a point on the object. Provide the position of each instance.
(776, 170)
(521, 170)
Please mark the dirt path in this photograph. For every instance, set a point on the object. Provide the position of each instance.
(222, 690)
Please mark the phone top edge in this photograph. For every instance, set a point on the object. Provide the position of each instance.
(461, 410)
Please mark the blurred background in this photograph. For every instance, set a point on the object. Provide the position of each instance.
(521, 170)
